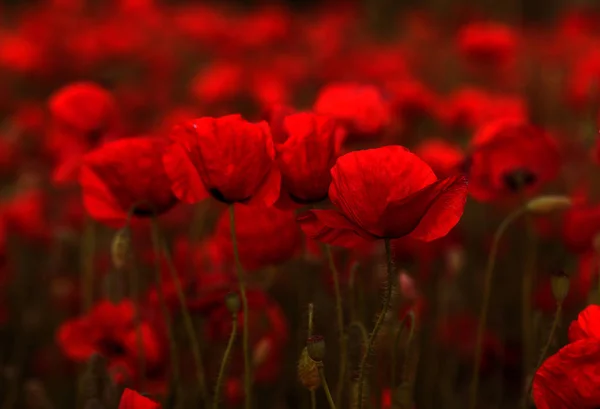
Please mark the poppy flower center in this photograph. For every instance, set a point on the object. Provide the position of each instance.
(111, 347)
(519, 179)
(217, 194)
(302, 201)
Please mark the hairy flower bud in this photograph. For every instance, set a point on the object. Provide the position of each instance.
(232, 302)
(560, 285)
(308, 372)
(120, 247)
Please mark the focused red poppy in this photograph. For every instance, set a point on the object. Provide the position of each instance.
(361, 109)
(509, 156)
(266, 236)
(132, 400)
(227, 158)
(386, 193)
(306, 157)
(123, 174)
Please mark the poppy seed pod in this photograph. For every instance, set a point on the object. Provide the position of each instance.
(560, 285)
(547, 204)
(315, 346)
(119, 247)
(308, 372)
(232, 302)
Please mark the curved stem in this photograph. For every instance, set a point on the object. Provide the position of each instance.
(325, 385)
(546, 346)
(363, 331)
(487, 288)
(340, 323)
(242, 286)
(187, 318)
(225, 360)
(373, 336)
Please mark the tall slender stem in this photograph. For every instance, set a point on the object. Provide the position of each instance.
(87, 263)
(373, 336)
(325, 385)
(487, 288)
(135, 295)
(340, 324)
(187, 318)
(311, 312)
(527, 289)
(225, 360)
(242, 286)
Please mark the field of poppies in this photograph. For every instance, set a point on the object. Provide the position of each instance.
(349, 205)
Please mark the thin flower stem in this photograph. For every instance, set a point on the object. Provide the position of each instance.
(373, 336)
(313, 400)
(527, 289)
(173, 350)
(311, 312)
(553, 329)
(135, 295)
(394, 352)
(87, 263)
(187, 318)
(325, 385)
(363, 331)
(409, 343)
(487, 289)
(245, 335)
(225, 360)
(340, 323)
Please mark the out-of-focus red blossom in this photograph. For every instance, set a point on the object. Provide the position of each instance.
(312, 143)
(570, 378)
(583, 88)
(234, 391)
(221, 81)
(458, 333)
(227, 158)
(109, 329)
(581, 283)
(486, 43)
(275, 116)
(412, 100)
(26, 214)
(581, 226)
(386, 193)
(508, 156)
(360, 109)
(20, 54)
(124, 173)
(444, 157)
(468, 108)
(266, 236)
(132, 400)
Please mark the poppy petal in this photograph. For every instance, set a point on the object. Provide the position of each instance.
(330, 226)
(269, 190)
(133, 400)
(185, 181)
(587, 324)
(99, 201)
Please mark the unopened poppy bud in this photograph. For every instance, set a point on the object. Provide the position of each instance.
(120, 246)
(232, 302)
(308, 372)
(547, 204)
(315, 346)
(560, 285)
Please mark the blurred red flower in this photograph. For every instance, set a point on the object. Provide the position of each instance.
(581, 225)
(386, 193)
(444, 158)
(491, 44)
(132, 400)
(228, 158)
(124, 173)
(509, 156)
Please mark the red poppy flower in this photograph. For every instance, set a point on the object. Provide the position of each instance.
(306, 157)
(412, 100)
(587, 325)
(124, 173)
(386, 193)
(221, 81)
(361, 109)
(133, 400)
(581, 225)
(508, 156)
(266, 236)
(443, 157)
(491, 44)
(228, 158)
(583, 82)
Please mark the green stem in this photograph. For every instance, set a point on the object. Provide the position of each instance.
(245, 311)
(340, 323)
(135, 295)
(325, 385)
(225, 361)
(187, 318)
(363, 331)
(487, 288)
(373, 336)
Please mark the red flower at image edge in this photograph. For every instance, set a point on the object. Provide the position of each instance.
(124, 173)
(306, 157)
(386, 193)
(509, 155)
(228, 158)
(570, 378)
(133, 400)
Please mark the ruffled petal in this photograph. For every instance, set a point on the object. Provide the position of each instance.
(587, 324)
(185, 181)
(331, 227)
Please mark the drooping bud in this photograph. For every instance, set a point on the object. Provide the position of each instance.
(560, 285)
(232, 302)
(120, 247)
(547, 204)
(315, 346)
(308, 372)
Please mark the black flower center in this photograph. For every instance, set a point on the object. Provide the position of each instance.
(519, 179)
(111, 347)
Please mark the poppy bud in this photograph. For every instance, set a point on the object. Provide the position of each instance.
(120, 246)
(560, 285)
(315, 346)
(308, 372)
(547, 204)
(232, 302)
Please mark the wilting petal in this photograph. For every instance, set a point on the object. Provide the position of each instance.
(331, 227)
